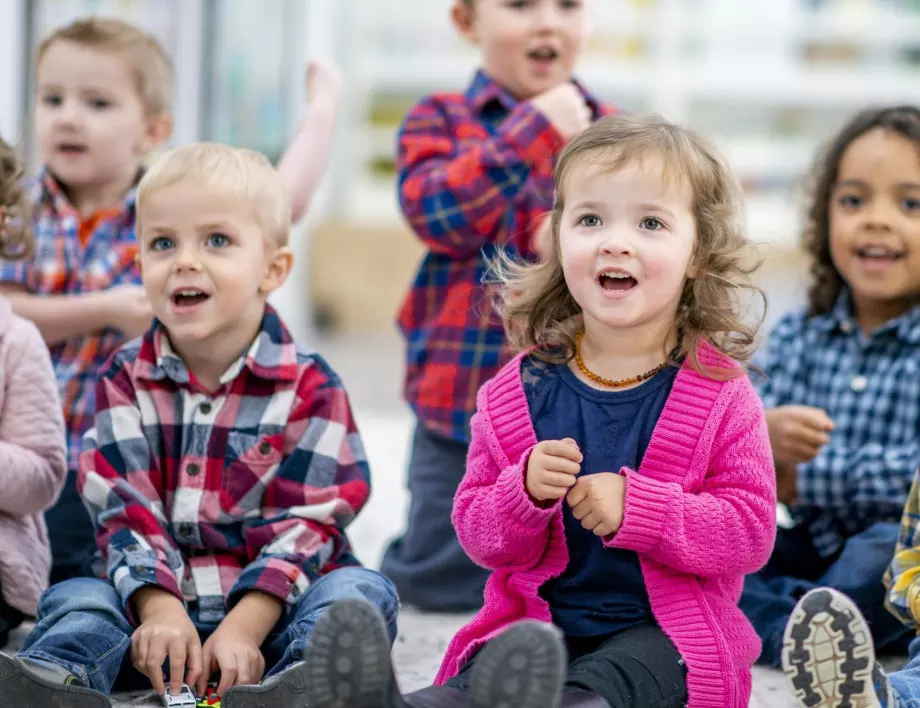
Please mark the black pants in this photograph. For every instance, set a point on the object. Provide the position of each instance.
(10, 618)
(637, 667)
(428, 566)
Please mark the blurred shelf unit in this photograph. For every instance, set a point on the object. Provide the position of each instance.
(768, 81)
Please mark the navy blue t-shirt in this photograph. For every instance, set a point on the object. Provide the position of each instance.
(602, 590)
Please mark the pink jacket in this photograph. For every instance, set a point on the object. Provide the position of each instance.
(700, 512)
(32, 458)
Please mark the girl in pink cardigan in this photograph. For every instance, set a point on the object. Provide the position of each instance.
(32, 447)
(620, 481)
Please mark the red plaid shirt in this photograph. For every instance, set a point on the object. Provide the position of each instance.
(63, 266)
(210, 496)
(475, 175)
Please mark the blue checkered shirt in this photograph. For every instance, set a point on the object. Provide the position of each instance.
(870, 388)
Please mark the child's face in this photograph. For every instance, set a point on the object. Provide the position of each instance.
(626, 241)
(89, 119)
(874, 221)
(528, 46)
(206, 265)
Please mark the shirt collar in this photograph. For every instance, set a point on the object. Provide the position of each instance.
(46, 189)
(271, 356)
(842, 319)
(484, 91)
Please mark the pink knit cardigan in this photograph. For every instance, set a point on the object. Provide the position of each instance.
(700, 512)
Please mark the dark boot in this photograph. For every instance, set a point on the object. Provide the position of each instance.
(347, 660)
(435, 697)
(582, 699)
(524, 667)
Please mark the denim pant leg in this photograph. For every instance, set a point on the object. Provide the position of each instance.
(341, 584)
(906, 682)
(857, 573)
(81, 626)
(428, 565)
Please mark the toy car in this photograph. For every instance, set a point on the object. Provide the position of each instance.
(185, 699)
(211, 700)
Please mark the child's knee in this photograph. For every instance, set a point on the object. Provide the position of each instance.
(79, 594)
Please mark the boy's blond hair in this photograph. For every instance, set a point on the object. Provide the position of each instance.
(534, 299)
(237, 172)
(147, 61)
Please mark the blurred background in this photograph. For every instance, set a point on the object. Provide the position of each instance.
(768, 80)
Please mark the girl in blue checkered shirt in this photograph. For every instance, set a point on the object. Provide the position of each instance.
(842, 392)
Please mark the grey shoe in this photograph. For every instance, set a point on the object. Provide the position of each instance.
(24, 683)
(283, 690)
(829, 656)
(523, 667)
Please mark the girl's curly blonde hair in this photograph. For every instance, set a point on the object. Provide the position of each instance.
(16, 239)
(539, 311)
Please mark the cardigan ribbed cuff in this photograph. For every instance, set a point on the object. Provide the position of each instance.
(514, 502)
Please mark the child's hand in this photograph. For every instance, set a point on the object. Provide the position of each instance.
(130, 309)
(165, 631)
(797, 433)
(324, 82)
(552, 469)
(599, 502)
(233, 652)
(787, 491)
(565, 108)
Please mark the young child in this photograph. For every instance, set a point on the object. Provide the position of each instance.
(103, 102)
(222, 470)
(32, 447)
(475, 174)
(620, 482)
(842, 391)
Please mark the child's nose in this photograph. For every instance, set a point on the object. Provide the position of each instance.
(549, 16)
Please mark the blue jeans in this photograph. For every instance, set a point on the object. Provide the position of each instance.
(906, 682)
(81, 625)
(795, 568)
(428, 565)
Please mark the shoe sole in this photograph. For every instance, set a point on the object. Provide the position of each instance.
(523, 667)
(347, 660)
(828, 653)
(20, 687)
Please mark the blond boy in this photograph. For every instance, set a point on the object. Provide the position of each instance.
(222, 470)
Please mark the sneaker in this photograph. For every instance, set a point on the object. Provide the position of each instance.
(346, 665)
(523, 667)
(829, 656)
(24, 682)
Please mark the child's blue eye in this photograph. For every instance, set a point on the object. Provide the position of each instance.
(218, 240)
(650, 223)
(590, 221)
(910, 204)
(52, 100)
(161, 243)
(570, 4)
(99, 104)
(850, 201)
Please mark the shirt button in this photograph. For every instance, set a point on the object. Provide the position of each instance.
(846, 327)
(140, 569)
(265, 448)
(185, 529)
(132, 548)
(193, 469)
(295, 591)
(859, 384)
(205, 408)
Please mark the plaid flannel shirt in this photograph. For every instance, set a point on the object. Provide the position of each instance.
(61, 266)
(870, 388)
(210, 496)
(475, 175)
(903, 576)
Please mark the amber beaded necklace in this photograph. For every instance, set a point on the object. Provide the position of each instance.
(610, 383)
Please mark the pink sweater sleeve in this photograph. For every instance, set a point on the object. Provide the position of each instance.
(32, 445)
(729, 526)
(497, 523)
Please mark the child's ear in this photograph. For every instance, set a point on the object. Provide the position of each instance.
(462, 16)
(279, 268)
(159, 130)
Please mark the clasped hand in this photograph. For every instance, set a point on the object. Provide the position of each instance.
(598, 501)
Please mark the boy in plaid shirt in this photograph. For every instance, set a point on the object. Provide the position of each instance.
(475, 175)
(222, 470)
(103, 104)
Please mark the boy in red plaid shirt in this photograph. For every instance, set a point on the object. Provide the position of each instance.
(475, 175)
(221, 473)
